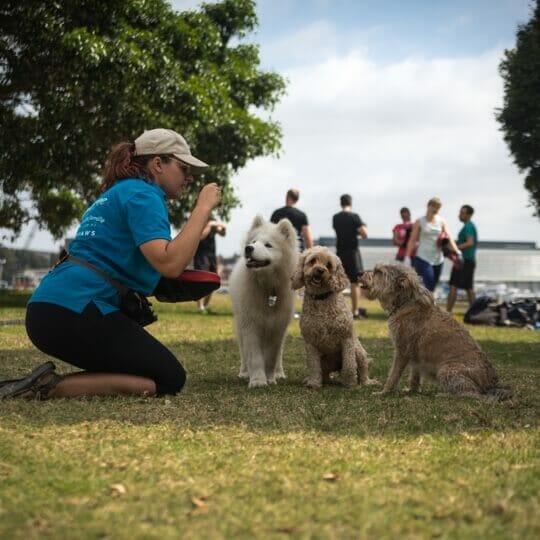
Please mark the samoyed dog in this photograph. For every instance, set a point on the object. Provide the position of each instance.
(263, 299)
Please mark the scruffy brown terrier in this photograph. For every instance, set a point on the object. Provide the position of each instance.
(428, 338)
(326, 322)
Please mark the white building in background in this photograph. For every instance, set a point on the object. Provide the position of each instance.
(29, 278)
(514, 265)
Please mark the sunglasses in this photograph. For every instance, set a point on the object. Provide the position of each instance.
(184, 166)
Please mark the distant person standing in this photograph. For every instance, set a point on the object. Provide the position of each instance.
(348, 227)
(426, 238)
(401, 234)
(205, 257)
(463, 278)
(296, 217)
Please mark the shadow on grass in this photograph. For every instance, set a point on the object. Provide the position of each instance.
(215, 397)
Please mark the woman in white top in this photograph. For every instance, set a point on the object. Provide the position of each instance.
(426, 234)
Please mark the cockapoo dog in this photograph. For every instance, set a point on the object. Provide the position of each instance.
(428, 338)
(263, 299)
(326, 323)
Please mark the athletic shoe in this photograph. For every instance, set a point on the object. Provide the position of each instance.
(30, 382)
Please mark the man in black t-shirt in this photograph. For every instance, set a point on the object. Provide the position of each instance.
(205, 257)
(296, 217)
(348, 227)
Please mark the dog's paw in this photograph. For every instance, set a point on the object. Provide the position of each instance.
(372, 382)
(281, 375)
(312, 383)
(348, 379)
(380, 393)
(243, 375)
(257, 383)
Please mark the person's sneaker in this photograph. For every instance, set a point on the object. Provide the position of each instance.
(20, 386)
(8, 381)
(360, 316)
(363, 313)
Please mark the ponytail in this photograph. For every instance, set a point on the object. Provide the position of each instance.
(121, 164)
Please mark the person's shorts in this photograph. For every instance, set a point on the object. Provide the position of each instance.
(464, 278)
(205, 261)
(352, 263)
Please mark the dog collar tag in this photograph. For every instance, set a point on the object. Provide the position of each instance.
(272, 301)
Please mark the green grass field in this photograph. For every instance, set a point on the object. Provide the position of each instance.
(222, 461)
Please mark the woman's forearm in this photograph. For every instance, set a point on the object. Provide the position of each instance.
(171, 257)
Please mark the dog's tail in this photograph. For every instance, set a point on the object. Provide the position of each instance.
(500, 392)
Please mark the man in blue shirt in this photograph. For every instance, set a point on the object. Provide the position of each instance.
(463, 278)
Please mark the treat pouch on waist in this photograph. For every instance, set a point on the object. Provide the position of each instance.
(189, 285)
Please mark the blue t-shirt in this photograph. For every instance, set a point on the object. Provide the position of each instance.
(127, 215)
(469, 229)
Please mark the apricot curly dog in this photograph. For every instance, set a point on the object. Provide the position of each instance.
(326, 323)
(428, 338)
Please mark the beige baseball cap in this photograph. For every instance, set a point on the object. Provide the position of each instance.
(166, 141)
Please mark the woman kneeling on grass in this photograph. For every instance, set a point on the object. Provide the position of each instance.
(74, 314)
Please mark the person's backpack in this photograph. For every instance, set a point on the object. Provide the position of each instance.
(444, 243)
(520, 313)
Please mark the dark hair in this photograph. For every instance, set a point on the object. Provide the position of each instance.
(293, 195)
(404, 209)
(468, 209)
(345, 200)
(121, 163)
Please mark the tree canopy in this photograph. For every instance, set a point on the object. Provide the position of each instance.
(78, 77)
(520, 114)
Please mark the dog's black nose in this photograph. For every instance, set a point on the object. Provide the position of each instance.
(319, 271)
(360, 274)
(248, 250)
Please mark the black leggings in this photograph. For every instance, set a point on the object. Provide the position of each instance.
(110, 343)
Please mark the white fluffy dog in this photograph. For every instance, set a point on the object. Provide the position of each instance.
(263, 299)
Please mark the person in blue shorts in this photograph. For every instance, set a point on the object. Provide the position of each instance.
(74, 315)
(425, 239)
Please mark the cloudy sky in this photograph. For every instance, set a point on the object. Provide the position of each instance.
(392, 101)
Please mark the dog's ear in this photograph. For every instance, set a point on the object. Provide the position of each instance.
(406, 281)
(285, 227)
(340, 281)
(411, 284)
(297, 279)
(257, 222)
(423, 295)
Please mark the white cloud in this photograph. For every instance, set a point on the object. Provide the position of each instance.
(456, 24)
(390, 135)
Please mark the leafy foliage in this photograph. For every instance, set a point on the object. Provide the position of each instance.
(77, 77)
(520, 115)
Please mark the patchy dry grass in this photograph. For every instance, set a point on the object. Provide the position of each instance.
(222, 461)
